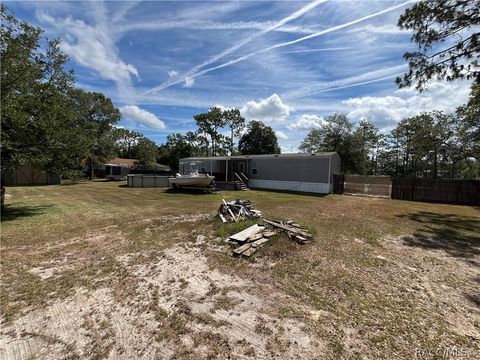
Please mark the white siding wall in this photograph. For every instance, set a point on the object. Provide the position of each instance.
(321, 188)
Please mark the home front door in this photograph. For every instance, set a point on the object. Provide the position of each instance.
(242, 167)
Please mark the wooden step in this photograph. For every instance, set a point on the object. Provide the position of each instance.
(240, 185)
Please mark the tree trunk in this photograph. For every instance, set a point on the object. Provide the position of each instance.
(397, 161)
(3, 199)
(90, 175)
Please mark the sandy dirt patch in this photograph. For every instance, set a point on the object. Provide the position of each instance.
(181, 307)
(449, 285)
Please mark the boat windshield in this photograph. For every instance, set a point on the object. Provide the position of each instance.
(193, 168)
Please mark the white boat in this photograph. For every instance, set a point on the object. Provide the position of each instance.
(193, 179)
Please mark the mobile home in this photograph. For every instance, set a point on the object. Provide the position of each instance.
(292, 172)
(118, 168)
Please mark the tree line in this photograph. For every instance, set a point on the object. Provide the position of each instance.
(430, 145)
(208, 140)
(48, 122)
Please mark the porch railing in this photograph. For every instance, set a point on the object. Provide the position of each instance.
(245, 178)
(238, 178)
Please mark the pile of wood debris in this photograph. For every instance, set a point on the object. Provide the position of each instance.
(256, 236)
(294, 231)
(236, 210)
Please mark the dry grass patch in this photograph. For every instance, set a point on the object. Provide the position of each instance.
(97, 270)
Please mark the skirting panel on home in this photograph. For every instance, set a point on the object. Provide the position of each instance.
(321, 188)
(147, 181)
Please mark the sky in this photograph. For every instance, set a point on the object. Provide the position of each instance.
(286, 63)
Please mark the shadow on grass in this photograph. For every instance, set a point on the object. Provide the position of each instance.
(457, 235)
(475, 297)
(14, 212)
(70, 182)
(169, 190)
(192, 191)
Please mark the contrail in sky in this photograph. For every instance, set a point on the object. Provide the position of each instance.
(292, 42)
(194, 71)
(364, 78)
(357, 84)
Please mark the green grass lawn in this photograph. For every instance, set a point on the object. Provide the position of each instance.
(381, 278)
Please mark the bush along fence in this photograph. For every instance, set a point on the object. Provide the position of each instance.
(465, 192)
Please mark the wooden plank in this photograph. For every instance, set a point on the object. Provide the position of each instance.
(287, 228)
(249, 252)
(232, 215)
(255, 237)
(242, 236)
(259, 242)
(241, 249)
(269, 233)
(300, 239)
(222, 217)
(254, 246)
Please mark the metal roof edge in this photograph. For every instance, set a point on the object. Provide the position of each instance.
(264, 156)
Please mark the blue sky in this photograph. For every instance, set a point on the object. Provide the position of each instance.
(286, 63)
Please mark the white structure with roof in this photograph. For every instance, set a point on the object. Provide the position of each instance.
(292, 172)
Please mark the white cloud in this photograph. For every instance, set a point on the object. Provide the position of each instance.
(199, 24)
(92, 47)
(172, 73)
(306, 122)
(189, 82)
(133, 112)
(269, 109)
(386, 111)
(388, 29)
(289, 149)
(223, 107)
(281, 135)
(377, 75)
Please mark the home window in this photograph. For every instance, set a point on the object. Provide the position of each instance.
(116, 170)
(254, 167)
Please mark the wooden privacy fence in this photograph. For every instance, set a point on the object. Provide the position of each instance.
(466, 192)
(338, 184)
(362, 185)
(446, 191)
